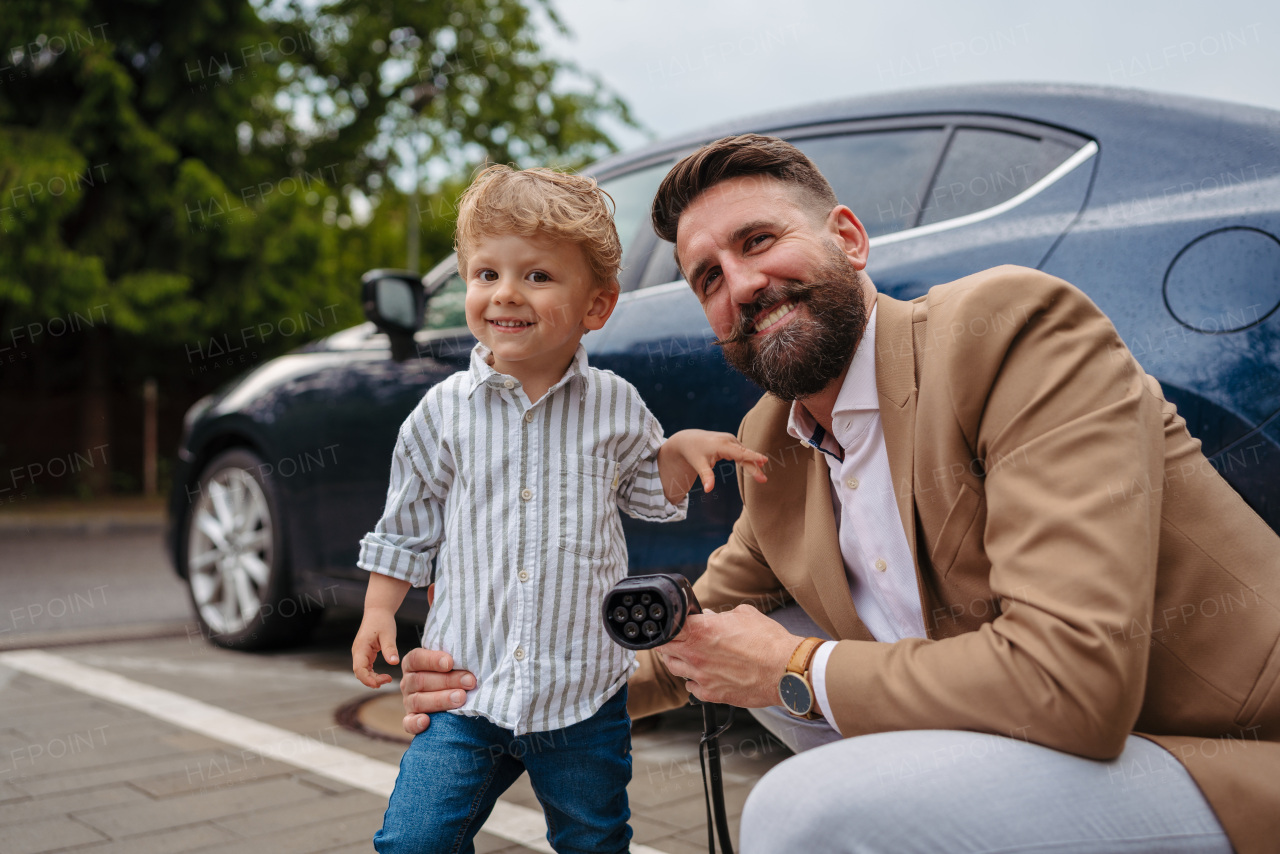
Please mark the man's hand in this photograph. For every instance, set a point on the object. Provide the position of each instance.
(377, 634)
(429, 685)
(734, 657)
(690, 454)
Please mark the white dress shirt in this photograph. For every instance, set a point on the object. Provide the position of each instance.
(873, 544)
(511, 507)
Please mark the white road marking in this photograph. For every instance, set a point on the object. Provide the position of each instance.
(514, 823)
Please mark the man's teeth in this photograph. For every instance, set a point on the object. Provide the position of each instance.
(512, 323)
(774, 316)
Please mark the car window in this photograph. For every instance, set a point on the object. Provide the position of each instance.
(632, 195)
(879, 175)
(983, 168)
(445, 309)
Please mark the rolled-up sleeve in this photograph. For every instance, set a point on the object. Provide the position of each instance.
(640, 493)
(403, 544)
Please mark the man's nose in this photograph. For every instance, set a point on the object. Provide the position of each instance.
(745, 282)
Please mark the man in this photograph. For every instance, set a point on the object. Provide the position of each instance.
(1004, 526)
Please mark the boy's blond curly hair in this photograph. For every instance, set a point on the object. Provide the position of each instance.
(526, 202)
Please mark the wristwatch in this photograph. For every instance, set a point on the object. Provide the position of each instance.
(794, 687)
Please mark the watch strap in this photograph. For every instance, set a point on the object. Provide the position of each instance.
(803, 656)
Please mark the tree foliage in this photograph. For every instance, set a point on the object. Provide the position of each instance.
(199, 167)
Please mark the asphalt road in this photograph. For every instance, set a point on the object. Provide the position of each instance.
(60, 582)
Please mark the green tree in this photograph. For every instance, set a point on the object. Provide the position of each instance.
(174, 172)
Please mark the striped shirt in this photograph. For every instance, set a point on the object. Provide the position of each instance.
(511, 508)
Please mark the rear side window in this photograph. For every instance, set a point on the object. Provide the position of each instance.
(983, 168)
(879, 175)
(632, 195)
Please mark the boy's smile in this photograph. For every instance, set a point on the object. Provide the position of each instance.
(529, 300)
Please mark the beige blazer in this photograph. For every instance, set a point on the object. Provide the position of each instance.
(1084, 571)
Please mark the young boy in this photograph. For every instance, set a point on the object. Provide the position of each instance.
(505, 488)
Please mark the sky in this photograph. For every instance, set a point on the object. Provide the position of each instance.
(684, 64)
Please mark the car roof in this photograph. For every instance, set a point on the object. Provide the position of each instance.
(1101, 112)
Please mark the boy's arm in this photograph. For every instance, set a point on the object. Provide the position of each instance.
(378, 628)
(692, 454)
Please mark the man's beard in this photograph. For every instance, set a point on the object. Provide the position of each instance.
(802, 357)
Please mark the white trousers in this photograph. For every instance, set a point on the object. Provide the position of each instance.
(933, 791)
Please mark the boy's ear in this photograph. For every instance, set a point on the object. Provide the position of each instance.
(601, 306)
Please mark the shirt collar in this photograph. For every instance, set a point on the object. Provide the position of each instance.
(482, 373)
(858, 393)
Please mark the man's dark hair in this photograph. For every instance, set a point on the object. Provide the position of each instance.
(735, 157)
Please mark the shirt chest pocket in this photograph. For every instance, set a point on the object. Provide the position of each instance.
(585, 507)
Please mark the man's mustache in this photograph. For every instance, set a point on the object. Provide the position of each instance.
(745, 326)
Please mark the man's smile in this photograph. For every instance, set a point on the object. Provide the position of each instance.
(774, 317)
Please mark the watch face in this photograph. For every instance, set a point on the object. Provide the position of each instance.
(795, 694)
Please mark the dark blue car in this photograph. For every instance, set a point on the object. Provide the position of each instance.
(1164, 210)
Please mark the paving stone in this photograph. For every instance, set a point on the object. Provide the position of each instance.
(151, 815)
(324, 784)
(21, 812)
(318, 836)
(212, 772)
(166, 842)
(681, 845)
(10, 792)
(54, 834)
(487, 844)
(121, 769)
(154, 787)
(645, 827)
(698, 839)
(30, 766)
(304, 813)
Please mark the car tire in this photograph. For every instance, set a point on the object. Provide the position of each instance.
(236, 559)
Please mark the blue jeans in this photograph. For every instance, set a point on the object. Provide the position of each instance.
(452, 774)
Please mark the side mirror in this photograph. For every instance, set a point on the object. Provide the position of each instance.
(394, 300)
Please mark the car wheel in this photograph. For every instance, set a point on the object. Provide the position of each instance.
(236, 559)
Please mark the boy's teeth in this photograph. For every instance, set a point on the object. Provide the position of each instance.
(774, 316)
(511, 323)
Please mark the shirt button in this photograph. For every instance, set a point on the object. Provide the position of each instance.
(881, 566)
(524, 575)
(852, 483)
(510, 383)
(519, 653)
(528, 416)
(526, 494)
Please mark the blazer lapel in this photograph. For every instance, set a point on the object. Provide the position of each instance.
(896, 384)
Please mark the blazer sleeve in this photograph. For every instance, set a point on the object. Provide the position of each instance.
(1071, 438)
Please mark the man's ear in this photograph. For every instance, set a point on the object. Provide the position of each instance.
(847, 232)
(602, 305)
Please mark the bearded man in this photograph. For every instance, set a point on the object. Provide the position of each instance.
(995, 642)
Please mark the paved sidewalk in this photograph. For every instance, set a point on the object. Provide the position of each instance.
(83, 774)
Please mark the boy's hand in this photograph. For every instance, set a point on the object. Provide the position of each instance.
(692, 454)
(377, 634)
